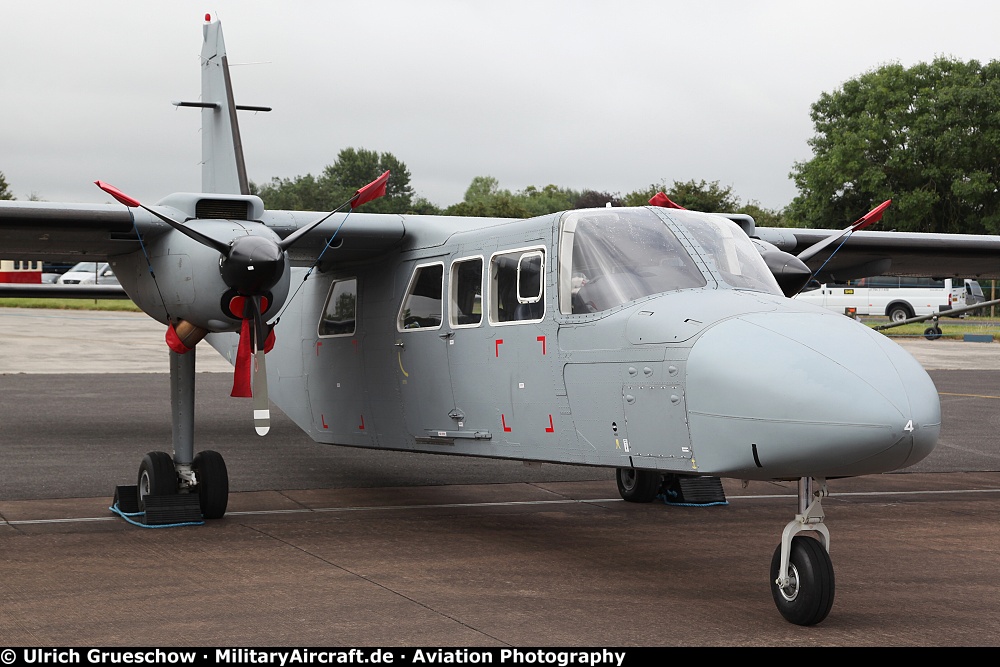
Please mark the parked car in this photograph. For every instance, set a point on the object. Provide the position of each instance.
(89, 273)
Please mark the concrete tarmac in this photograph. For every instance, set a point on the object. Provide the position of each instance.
(329, 546)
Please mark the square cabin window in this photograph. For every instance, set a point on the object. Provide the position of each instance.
(517, 286)
(467, 292)
(340, 313)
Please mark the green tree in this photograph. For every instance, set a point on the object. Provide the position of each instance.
(5, 193)
(595, 199)
(926, 136)
(484, 198)
(352, 169)
(696, 196)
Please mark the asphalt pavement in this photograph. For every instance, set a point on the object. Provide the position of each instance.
(331, 546)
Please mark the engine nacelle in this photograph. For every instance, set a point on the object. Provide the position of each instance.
(187, 282)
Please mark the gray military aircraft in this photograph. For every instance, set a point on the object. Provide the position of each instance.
(654, 340)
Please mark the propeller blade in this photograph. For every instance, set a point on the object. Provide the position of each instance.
(373, 190)
(132, 202)
(866, 220)
(261, 406)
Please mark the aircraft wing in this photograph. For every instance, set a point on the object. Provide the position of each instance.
(868, 253)
(70, 232)
(73, 232)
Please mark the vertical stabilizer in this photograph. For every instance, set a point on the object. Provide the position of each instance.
(223, 169)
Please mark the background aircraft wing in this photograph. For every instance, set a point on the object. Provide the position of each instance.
(892, 253)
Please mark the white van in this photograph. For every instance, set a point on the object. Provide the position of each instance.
(898, 297)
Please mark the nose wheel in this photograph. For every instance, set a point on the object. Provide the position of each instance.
(804, 595)
(802, 580)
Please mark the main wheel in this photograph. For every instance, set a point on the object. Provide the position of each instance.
(809, 595)
(213, 483)
(638, 486)
(157, 477)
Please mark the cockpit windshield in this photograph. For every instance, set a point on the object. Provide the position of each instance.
(736, 259)
(612, 256)
(618, 256)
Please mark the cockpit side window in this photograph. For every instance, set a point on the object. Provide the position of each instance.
(610, 257)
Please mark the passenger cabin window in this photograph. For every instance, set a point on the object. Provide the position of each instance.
(517, 286)
(423, 303)
(340, 313)
(466, 292)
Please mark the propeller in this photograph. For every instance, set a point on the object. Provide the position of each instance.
(867, 220)
(251, 266)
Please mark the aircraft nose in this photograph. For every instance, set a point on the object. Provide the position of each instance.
(792, 394)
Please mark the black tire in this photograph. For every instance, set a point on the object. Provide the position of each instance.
(932, 333)
(213, 483)
(638, 486)
(157, 477)
(899, 312)
(809, 598)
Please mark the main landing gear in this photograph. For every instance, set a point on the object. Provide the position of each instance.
(182, 480)
(637, 485)
(802, 581)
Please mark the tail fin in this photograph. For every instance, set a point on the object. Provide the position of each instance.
(223, 169)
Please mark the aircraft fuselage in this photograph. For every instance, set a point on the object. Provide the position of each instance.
(451, 344)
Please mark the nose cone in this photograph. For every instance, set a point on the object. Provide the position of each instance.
(793, 394)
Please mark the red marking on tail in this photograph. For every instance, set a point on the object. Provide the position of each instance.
(506, 429)
(551, 428)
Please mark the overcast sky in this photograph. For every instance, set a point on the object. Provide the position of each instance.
(605, 95)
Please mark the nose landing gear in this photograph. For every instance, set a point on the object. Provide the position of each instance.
(802, 580)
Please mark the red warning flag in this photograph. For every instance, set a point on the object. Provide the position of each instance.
(118, 194)
(660, 199)
(872, 216)
(373, 190)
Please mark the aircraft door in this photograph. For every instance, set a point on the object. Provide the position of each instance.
(470, 353)
(422, 354)
(336, 386)
(527, 385)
